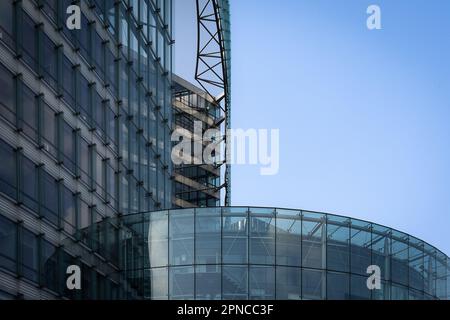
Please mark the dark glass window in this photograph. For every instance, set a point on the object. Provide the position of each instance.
(7, 95)
(99, 48)
(49, 265)
(8, 244)
(29, 44)
(8, 180)
(69, 211)
(83, 37)
(84, 92)
(111, 126)
(68, 82)
(111, 69)
(98, 113)
(359, 290)
(338, 286)
(68, 147)
(85, 222)
(30, 113)
(49, 62)
(84, 157)
(49, 134)
(30, 185)
(6, 21)
(99, 174)
(49, 198)
(30, 260)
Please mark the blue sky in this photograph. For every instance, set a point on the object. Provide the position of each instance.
(363, 115)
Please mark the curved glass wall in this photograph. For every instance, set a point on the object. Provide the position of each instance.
(268, 253)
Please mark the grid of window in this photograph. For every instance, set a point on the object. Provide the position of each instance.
(267, 253)
(95, 105)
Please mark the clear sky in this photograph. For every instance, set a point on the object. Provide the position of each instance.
(364, 116)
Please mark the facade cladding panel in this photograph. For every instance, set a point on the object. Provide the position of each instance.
(85, 122)
(268, 253)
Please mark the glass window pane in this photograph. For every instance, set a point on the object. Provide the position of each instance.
(361, 239)
(6, 21)
(262, 283)
(235, 283)
(416, 268)
(399, 258)
(7, 95)
(30, 185)
(262, 237)
(8, 244)
(359, 290)
(50, 198)
(289, 283)
(181, 283)
(49, 135)
(181, 245)
(207, 240)
(399, 292)
(159, 283)
(68, 147)
(49, 265)
(158, 239)
(313, 284)
(235, 237)
(381, 250)
(29, 44)
(8, 180)
(208, 282)
(69, 211)
(288, 238)
(30, 260)
(30, 113)
(313, 240)
(49, 62)
(338, 239)
(338, 286)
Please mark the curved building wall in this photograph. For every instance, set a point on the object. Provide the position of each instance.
(267, 253)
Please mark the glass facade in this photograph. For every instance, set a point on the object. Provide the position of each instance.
(268, 253)
(85, 123)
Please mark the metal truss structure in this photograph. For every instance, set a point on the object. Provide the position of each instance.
(213, 68)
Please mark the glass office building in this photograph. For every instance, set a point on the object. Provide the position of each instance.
(85, 122)
(87, 179)
(269, 253)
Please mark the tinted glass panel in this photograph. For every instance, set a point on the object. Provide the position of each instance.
(181, 237)
(8, 244)
(235, 283)
(289, 283)
(7, 95)
(313, 240)
(30, 259)
(8, 180)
